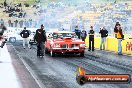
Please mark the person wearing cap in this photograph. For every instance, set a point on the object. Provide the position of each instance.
(91, 39)
(83, 35)
(104, 34)
(40, 38)
(78, 32)
(25, 34)
(119, 36)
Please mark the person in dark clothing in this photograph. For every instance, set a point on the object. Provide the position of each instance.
(83, 35)
(2, 30)
(25, 34)
(20, 15)
(91, 39)
(40, 38)
(17, 10)
(78, 32)
(104, 34)
(5, 4)
(115, 29)
(20, 5)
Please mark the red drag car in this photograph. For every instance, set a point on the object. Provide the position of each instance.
(64, 42)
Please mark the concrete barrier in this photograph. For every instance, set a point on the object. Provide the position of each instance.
(112, 44)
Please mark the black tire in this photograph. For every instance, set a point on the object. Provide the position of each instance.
(46, 51)
(52, 54)
(12, 39)
(82, 54)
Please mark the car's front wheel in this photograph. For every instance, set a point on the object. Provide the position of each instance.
(82, 54)
(52, 54)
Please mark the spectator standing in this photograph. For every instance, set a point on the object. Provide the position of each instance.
(20, 15)
(11, 24)
(63, 29)
(115, 29)
(78, 32)
(104, 34)
(83, 35)
(2, 21)
(17, 9)
(120, 37)
(2, 29)
(40, 38)
(25, 34)
(16, 21)
(5, 4)
(21, 23)
(30, 22)
(24, 14)
(19, 5)
(91, 39)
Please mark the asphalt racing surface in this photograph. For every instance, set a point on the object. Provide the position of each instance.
(60, 71)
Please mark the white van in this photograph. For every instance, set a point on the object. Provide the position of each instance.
(13, 34)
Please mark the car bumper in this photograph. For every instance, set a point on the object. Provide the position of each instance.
(69, 50)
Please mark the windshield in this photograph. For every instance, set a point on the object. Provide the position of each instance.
(62, 35)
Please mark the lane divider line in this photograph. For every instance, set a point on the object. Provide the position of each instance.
(35, 77)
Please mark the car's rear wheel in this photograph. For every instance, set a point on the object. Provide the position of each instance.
(52, 54)
(82, 54)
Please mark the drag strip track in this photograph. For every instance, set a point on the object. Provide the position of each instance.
(101, 60)
(90, 68)
(87, 63)
(30, 70)
(122, 66)
(60, 71)
(93, 69)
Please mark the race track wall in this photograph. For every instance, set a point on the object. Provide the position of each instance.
(112, 44)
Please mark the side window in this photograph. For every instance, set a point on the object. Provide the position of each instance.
(55, 35)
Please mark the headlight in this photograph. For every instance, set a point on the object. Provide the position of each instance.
(82, 45)
(57, 45)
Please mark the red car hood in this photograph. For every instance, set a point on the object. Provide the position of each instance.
(68, 39)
